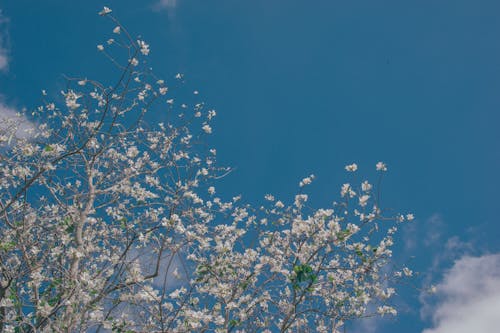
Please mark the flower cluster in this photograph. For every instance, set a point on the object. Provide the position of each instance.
(110, 222)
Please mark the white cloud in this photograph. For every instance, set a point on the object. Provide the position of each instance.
(168, 264)
(468, 298)
(14, 124)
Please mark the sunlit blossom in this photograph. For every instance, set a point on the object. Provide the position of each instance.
(207, 129)
(105, 11)
(144, 48)
(381, 166)
(351, 167)
(306, 181)
(363, 200)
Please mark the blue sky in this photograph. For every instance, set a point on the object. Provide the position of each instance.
(309, 86)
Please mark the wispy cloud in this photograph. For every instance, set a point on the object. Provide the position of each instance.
(166, 4)
(13, 124)
(468, 297)
(365, 325)
(4, 49)
(171, 273)
(3, 59)
(424, 234)
(434, 229)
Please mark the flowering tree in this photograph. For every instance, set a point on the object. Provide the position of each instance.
(110, 223)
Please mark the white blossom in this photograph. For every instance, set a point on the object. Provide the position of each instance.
(71, 98)
(105, 11)
(207, 129)
(381, 166)
(306, 181)
(134, 62)
(351, 167)
(363, 200)
(144, 48)
(366, 186)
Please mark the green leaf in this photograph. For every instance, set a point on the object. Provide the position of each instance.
(342, 235)
(303, 273)
(234, 322)
(6, 246)
(53, 301)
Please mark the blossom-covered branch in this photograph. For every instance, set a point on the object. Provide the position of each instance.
(109, 222)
